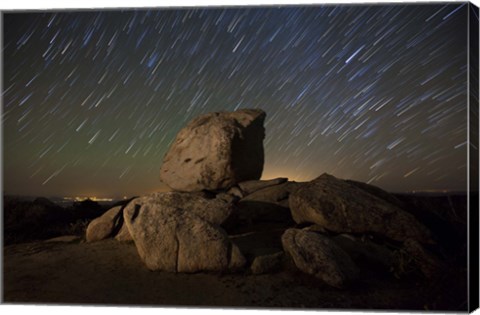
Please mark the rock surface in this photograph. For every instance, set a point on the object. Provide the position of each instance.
(124, 234)
(378, 192)
(273, 194)
(317, 255)
(216, 151)
(251, 186)
(64, 239)
(103, 227)
(268, 204)
(345, 208)
(365, 251)
(267, 263)
(428, 264)
(236, 192)
(248, 212)
(173, 239)
(214, 209)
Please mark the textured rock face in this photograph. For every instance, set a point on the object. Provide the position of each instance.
(365, 252)
(64, 239)
(124, 234)
(428, 264)
(251, 186)
(342, 207)
(215, 210)
(249, 212)
(173, 239)
(265, 201)
(377, 192)
(104, 226)
(277, 194)
(216, 151)
(317, 255)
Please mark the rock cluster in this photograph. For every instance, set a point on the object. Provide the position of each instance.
(221, 217)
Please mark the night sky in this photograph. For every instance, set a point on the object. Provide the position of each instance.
(92, 100)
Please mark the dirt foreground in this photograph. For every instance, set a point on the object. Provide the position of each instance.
(108, 272)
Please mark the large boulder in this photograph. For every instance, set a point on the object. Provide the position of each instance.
(342, 207)
(215, 209)
(319, 256)
(377, 192)
(104, 226)
(176, 239)
(215, 151)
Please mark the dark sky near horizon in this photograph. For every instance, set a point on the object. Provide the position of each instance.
(378, 93)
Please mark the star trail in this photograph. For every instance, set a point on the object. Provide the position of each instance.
(92, 100)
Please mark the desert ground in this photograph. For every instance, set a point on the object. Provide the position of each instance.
(67, 270)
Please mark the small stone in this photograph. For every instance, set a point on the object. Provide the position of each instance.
(267, 263)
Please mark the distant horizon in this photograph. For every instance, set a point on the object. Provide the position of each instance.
(117, 197)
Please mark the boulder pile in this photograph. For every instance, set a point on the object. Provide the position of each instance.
(221, 217)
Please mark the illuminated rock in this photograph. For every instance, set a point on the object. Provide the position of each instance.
(171, 238)
(216, 151)
(342, 207)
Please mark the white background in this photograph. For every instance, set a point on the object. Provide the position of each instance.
(57, 4)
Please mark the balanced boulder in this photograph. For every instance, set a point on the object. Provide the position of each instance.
(215, 151)
(317, 255)
(342, 207)
(171, 238)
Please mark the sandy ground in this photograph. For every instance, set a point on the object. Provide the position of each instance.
(110, 272)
